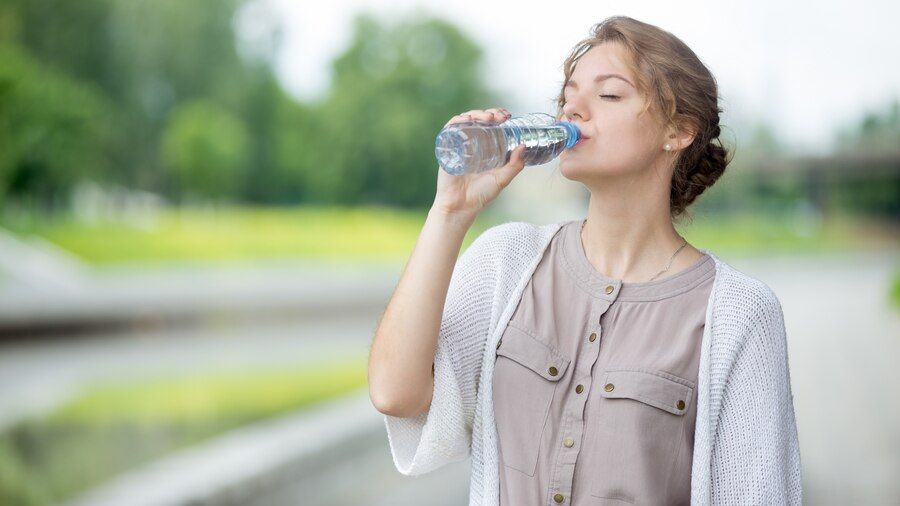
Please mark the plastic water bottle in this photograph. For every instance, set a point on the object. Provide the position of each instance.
(476, 146)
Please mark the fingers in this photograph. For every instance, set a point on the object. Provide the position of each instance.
(497, 114)
(494, 114)
(459, 118)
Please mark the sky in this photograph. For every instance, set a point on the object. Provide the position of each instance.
(806, 68)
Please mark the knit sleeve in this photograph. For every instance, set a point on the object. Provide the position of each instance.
(756, 453)
(443, 434)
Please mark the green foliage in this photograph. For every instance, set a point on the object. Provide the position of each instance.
(393, 89)
(205, 147)
(877, 132)
(113, 428)
(140, 66)
(147, 59)
(54, 130)
(369, 140)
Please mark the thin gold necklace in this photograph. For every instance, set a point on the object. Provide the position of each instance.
(670, 259)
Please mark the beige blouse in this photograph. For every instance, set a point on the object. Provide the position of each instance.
(594, 385)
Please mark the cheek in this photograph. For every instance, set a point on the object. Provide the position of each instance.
(621, 134)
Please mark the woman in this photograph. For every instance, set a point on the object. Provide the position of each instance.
(604, 360)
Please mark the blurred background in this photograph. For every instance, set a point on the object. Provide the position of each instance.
(206, 205)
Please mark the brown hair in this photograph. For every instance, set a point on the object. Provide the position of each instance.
(679, 85)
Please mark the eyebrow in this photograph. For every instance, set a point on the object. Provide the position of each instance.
(598, 78)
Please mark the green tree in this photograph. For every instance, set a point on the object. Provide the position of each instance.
(393, 89)
(303, 154)
(876, 132)
(54, 131)
(872, 192)
(205, 149)
(147, 57)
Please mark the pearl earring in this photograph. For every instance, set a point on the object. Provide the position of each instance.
(668, 147)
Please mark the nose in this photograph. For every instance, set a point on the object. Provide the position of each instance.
(572, 109)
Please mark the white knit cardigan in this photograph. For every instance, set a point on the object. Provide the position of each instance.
(746, 449)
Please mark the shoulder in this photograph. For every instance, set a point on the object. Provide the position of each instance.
(513, 241)
(741, 292)
(747, 308)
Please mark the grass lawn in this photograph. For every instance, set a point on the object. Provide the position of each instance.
(381, 234)
(112, 428)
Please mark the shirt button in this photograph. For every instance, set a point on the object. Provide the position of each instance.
(593, 337)
(680, 404)
(609, 387)
(559, 498)
(609, 289)
(579, 389)
(553, 371)
(568, 442)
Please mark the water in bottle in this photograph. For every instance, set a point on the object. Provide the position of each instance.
(476, 146)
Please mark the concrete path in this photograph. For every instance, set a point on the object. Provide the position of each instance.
(182, 292)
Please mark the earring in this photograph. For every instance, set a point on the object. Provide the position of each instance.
(668, 147)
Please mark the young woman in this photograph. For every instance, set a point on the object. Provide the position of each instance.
(604, 360)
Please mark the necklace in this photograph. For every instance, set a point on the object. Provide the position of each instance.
(670, 259)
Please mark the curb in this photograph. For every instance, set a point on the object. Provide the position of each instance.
(246, 463)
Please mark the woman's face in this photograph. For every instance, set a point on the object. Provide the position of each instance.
(621, 140)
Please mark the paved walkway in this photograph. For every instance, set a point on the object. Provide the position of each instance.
(157, 294)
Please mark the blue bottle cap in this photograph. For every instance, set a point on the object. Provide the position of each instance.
(574, 133)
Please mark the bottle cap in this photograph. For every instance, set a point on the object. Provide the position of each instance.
(574, 133)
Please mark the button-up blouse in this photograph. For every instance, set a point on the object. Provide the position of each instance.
(594, 384)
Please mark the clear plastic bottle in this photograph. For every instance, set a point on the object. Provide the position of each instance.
(476, 146)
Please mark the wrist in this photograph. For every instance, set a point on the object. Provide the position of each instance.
(455, 219)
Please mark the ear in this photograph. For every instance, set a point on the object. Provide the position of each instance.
(680, 137)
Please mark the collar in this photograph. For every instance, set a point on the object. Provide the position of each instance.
(596, 284)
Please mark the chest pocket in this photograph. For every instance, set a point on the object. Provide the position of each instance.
(526, 373)
(640, 423)
(656, 388)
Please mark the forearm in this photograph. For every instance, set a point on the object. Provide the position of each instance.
(400, 361)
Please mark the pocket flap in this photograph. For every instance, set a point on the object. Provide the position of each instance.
(656, 388)
(522, 347)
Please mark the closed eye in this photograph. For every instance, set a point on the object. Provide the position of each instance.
(614, 97)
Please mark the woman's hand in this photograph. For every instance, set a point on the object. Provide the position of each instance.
(467, 194)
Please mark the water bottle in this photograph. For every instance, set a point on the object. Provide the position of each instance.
(476, 146)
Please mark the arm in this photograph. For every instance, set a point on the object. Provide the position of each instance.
(756, 453)
(400, 360)
(443, 433)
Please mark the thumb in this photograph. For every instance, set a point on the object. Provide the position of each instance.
(515, 165)
(518, 156)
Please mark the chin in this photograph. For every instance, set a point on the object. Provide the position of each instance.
(570, 170)
(579, 169)
(585, 166)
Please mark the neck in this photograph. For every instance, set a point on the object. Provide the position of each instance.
(633, 242)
